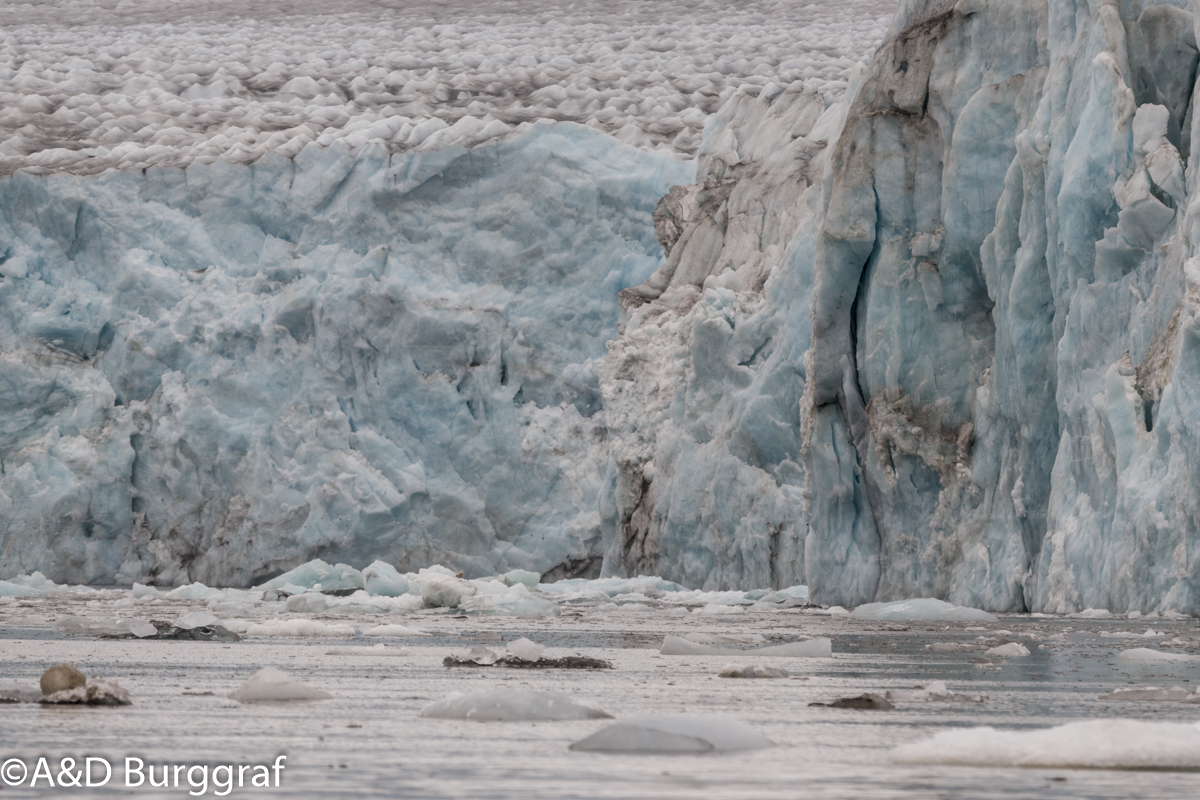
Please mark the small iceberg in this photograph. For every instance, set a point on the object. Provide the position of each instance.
(1095, 744)
(819, 647)
(927, 609)
(1010, 650)
(668, 733)
(271, 685)
(511, 705)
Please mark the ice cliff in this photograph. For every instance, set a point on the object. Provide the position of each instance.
(943, 342)
(938, 338)
(216, 373)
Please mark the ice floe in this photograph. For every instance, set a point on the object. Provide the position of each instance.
(667, 733)
(373, 650)
(1010, 650)
(510, 705)
(920, 609)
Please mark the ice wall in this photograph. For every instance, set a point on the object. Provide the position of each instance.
(218, 372)
(955, 353)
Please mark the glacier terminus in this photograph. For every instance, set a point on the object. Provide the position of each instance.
(921, 326)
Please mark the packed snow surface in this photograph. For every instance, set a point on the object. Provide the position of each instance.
(86, 86)
(511, 705)
(682, 733)
(1097, 744)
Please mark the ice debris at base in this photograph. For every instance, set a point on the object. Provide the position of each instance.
(819, 647)
(273, 685)
(88, 87)
(511, 705)
(1010, 650)
(525, 649)
(1172, 694)
(1149, 634)
(668, 733)
(196, 619)
(1147, 655)
(753, 671)
(933, 692)
(1097, 744)
(923, 609)
(374, 650)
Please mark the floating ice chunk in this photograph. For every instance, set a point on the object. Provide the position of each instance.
(510, 705)
(445, 592)
(525, 649)
(1149, 634)
(529, 580)
(920, 609)
(10, 589)
(382, 579)
(194, 591)
(313, 573)
(374, 650)
(273, 685)
(819, 647)
(196, 619)
(1172, 694)
(725, 638)
(796, 593)
(934, 692)
(514, 601)
(674, 734)
(1093, 613)
(298, 627)
(95, 692)
(480, 655)
(1010, 650)
(14, 692)
(141, 628)
(1146, 654)
(393, 630)
(1096, 744)
(140, 590)
(755, 671)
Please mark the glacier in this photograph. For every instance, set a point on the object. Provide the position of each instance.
(939, 342)
(930, 337)
(218, 372)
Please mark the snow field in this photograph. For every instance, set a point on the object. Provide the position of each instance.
(88, 86)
